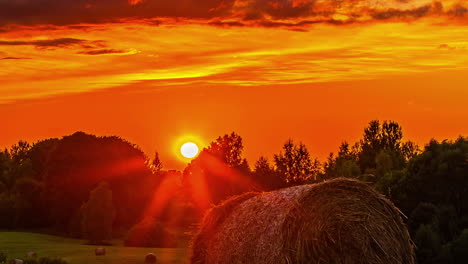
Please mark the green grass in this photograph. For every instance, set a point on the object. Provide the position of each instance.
(17, 244)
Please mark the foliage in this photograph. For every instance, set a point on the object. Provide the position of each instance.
(3, 257)
(221, 167)
(428, 244)
(150, 233)
(156, 163)
(294, 164)
(344, 164)
(459, 248)
(98, 215)
(439, 175)
(266, 176)
(79, 162)
(382, 148)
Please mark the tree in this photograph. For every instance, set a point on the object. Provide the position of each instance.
(218, 172)
(156, 164)
(19, 189)
(432, 189)
(265, 175)
(98, 215)
(459, 248)
(439, 175)
(383, 163)
(428, 245)
(343, 165)
(294, 164)
(74, 165)
(382, 146)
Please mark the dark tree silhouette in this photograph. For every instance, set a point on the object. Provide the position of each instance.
(98, 215)
(75, 164)
(220, 170)
(156, 164)
(265, 175)
(343, 165)
(294, 164)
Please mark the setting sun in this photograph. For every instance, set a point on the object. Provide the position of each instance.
(189, 150)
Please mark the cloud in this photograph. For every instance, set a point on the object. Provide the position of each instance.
(224, 13)
(14, 58)
(59, 43)
(106, 51)
(59, 12)
(226, 23)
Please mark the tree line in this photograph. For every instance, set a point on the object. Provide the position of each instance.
(97, 187)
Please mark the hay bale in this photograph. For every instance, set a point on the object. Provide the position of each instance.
(151, 258)
(16, 261)
(100, 251)
(31, 254)
(340, 221)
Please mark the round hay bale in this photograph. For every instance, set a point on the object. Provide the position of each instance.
(100, 251)
(213, 219)
(31, 254)
(340, 221)
(151, 258)
(16, 261)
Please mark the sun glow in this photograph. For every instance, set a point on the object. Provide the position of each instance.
(189, 150)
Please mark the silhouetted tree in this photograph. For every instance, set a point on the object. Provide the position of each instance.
(265, 175)
(220, 169)
(75, 164)
(428, 244)
(294, 164)
(156, 164)
(343, 165)
(459, 248)
(98, 215)
(376, 138)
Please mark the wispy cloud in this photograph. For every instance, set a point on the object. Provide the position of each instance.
(108, 51)
(246, 56)
(14, 58)
(58, 43)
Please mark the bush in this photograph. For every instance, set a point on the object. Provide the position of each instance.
(460, 248)
(7, 212)
(98, 215)
(149, 233)
(3, 257)
(428, 246)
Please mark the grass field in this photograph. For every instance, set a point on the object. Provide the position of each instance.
(17, 244)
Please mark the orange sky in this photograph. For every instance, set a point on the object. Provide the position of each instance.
(268, 70)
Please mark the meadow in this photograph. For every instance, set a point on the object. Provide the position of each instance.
(17, 244)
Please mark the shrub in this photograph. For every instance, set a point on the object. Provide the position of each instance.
(98, 215)
(3, 257)
(428, 246)
(460, 248)
(149, 233)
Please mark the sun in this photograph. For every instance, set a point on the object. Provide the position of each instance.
(189, 150)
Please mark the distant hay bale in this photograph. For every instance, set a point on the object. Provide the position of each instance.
(100, 251)
(31, 254)
(16, 261)
(151, 258)
(340, 221)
